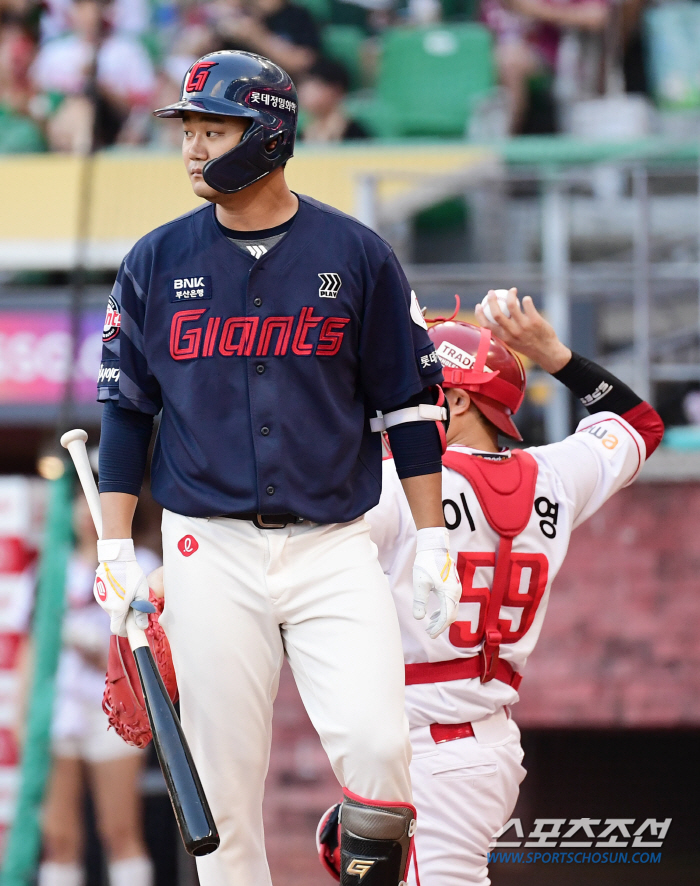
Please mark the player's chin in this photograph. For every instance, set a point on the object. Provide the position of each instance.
(202, 189)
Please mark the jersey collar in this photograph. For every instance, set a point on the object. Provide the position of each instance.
(504, 452)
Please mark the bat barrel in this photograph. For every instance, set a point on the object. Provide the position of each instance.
(192, 812)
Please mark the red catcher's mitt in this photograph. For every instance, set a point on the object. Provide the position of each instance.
(123, 700)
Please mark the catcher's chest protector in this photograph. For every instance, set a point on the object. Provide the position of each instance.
(505, 489)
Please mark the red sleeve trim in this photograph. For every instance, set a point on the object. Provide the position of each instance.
(647, 423)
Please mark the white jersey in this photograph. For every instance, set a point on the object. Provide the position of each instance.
(575, 477)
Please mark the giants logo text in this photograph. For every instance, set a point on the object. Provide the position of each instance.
(193, 336)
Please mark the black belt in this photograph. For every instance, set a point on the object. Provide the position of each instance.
(267, 521)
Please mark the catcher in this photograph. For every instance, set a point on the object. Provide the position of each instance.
(510, 514)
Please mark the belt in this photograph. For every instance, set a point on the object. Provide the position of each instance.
(267, 521)
(451, 731)
(459, 669)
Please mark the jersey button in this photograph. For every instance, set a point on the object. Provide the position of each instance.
(264, 431)
(260, 369)
(257, 302)
(270, 490)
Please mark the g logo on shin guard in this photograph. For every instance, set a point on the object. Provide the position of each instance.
(359, 867)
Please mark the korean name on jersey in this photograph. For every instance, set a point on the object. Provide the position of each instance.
(575, 477)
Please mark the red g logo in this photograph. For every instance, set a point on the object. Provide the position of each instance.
(101, 589)
(198, 76)
(187, 545)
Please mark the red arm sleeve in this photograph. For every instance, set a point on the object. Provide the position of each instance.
(647, 423)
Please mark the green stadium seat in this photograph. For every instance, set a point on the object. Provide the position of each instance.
(350, 14)
(319, 9)
(343, 43)
(460, 10)
(18, 135)
(428, 80)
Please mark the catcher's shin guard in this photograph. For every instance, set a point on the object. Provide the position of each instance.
(376, 841)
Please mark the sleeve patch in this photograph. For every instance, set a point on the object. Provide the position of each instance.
(190, 289)
(416, 312)
(113, 320)
(108, 376)
(428, 360)
(607, 436)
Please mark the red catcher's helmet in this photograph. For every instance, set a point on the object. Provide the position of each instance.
(494, 377)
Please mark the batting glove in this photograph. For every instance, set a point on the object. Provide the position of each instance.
(434, 570)
(119, 580)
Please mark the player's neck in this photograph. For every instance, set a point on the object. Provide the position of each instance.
(265, 204)
(467, 430)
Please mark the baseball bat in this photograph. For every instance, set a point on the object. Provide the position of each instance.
(192, 812)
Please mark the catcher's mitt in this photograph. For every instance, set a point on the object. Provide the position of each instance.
(123, 700)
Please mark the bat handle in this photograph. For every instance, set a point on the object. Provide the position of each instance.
(135, 634)
(74, 442)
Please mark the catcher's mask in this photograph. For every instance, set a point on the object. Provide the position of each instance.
(479, 363)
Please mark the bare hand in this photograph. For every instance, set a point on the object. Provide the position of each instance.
(155, 582)
(525, 331)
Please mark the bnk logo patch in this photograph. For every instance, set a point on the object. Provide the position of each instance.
(190, 289)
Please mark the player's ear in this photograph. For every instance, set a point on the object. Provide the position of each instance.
(459, 401)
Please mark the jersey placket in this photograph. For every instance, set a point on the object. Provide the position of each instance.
(261, 377)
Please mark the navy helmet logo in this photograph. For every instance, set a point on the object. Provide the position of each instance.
(198, 76)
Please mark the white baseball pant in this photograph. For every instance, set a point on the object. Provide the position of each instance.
(464, 791)
(237, 599)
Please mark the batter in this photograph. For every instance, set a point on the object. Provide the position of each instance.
(268, 329)
(510, 515)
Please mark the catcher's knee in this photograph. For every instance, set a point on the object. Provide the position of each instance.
(367, 841)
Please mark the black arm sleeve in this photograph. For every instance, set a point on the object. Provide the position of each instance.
(416, 445)
(598, 389)
(124, 441)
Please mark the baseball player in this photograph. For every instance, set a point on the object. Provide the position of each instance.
(276, 337)
(510, 514)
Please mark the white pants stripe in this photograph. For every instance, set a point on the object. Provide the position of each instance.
(233, 608)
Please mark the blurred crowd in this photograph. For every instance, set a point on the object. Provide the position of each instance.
(76, 70)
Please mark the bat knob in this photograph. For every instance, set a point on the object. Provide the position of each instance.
(71, 436)
(143, 606)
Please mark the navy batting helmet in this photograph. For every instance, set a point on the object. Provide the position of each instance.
(241, 84)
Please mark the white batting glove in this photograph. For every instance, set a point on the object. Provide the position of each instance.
(119, 580)
(434, 570)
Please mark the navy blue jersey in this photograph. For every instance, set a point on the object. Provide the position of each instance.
(267, 370)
